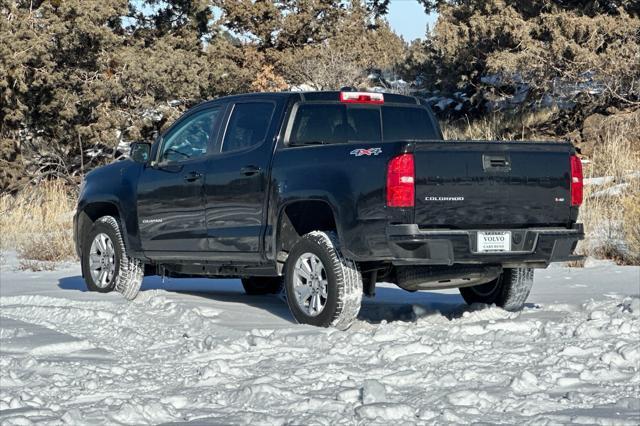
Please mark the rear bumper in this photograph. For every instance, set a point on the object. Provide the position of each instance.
(534, 247)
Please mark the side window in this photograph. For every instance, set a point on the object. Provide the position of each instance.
(190, 139)
(247, 126)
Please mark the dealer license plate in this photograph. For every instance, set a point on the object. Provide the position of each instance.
(494, 241)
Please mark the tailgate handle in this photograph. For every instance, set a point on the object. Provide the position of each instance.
(496, 163)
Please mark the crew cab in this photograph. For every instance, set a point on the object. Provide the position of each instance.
(322, 195)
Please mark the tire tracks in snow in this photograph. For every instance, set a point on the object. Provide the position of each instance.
(175, 363)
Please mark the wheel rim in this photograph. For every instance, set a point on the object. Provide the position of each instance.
(310, 284)
(102, 260)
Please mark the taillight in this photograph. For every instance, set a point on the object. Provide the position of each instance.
(401, 189)
(576, 181)
(361, 98)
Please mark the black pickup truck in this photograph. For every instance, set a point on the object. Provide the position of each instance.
(323, 194)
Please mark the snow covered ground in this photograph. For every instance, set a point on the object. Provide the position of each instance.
(201, 351)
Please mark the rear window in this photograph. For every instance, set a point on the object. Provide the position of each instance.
(337, 123)
(331, 123)
(401, 123)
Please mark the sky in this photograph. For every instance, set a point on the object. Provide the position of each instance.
(407, 18)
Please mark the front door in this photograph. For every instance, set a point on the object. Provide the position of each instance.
(237, 180)
(171, 206)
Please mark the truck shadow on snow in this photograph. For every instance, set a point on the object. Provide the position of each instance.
(390, 303)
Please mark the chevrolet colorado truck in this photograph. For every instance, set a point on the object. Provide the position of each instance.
(321, 195)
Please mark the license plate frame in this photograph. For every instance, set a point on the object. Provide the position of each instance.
(493, 242)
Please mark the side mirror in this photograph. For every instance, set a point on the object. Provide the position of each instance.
(140, 152)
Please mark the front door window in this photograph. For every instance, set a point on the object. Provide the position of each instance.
(189, 140)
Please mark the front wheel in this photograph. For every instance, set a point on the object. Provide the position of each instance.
(323, 287)
(509, 291)
(105, 263)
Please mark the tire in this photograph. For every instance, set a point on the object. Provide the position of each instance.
(335, 282)
(105, 263)
(509, 291)
(255, 286)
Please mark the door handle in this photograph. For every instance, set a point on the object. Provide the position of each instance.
(250, 170)
(192, 176)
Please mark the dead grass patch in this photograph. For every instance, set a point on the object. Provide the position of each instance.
(500, 126)
(37, 222)
(611, 211)
(36, 265)
(631, 224)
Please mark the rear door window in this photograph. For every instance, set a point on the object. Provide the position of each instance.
(248, 125)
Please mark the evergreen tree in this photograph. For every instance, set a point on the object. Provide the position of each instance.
(488, 47)
(362, 43)
(80, 79)
(58, 80)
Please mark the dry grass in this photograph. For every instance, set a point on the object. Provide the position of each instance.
(611, 211)
(618, 153)
(499, 126)
(611, 217)
(36, 265)
(605, 221)
(631, 225)
(37, 223)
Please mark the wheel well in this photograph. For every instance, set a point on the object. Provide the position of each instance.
(96, 210)
(302, 217)
(90, 214)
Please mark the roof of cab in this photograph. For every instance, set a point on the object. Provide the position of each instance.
(335, 96)
(315, 96)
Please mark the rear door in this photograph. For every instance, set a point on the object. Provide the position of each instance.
(466, 185)
(171, 206)
(237, 179)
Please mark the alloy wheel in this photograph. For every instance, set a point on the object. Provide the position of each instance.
(310, 284)
(102, 260)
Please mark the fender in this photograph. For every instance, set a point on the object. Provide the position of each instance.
(352, 186)
(112, 189)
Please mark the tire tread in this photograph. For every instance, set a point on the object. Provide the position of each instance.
(348, 283)
(131, 271)
(516, 288)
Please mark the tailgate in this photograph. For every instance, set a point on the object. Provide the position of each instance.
(466, 185)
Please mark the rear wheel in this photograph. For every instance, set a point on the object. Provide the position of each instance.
(323, 287)
(262, 285)
(105, 263)
(509, 291)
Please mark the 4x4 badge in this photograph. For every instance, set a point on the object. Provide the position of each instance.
(368, 152)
